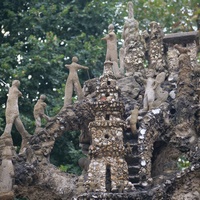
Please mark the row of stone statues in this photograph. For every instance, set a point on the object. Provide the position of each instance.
(13, 118)
(153, 95)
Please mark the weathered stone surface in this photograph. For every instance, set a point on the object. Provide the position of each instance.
(134, 46)
(181, 38)
(108, 170)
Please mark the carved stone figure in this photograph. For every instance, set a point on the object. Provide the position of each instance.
(160, 95)
(111, 54)
(12, 114)
(111, 39)
(149, 95)
(73, 82)
(134, 119)
(154, 94)
(39, 111)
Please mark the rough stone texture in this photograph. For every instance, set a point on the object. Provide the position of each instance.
(133, 50)
(108, 170)
(189, 187)
(7, 171)
(130, 92)
(156, 50)
(172, 59)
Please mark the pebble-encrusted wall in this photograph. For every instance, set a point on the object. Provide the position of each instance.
(108, 170)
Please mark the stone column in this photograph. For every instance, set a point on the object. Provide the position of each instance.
(7, 172)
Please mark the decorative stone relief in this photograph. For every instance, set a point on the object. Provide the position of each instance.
(172, 60)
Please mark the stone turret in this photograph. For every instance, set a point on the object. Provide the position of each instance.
(108, 170)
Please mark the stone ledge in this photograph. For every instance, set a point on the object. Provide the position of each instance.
(183, 37)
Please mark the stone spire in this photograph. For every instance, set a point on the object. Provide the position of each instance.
(130, 10)
(132, 52)
(108, 170)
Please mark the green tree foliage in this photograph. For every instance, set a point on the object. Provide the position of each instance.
(39, 37)
(66, 152)
(173, 15)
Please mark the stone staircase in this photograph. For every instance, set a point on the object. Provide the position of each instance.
(132, 158)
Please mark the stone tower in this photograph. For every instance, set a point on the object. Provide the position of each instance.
(108, 170)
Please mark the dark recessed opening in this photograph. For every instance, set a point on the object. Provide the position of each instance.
(137, 125)
(158, 161)
(106, 136)
(197, 114)
(108, 82)
(107, 117)
(172, 111)
(107, 94)
(143, 177)
(108, 178)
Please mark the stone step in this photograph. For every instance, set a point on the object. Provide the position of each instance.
(134, 179)
(131, 141)
(134, 148)
(136, 166)
(128, 135)
(132, 159)
(133, 170)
